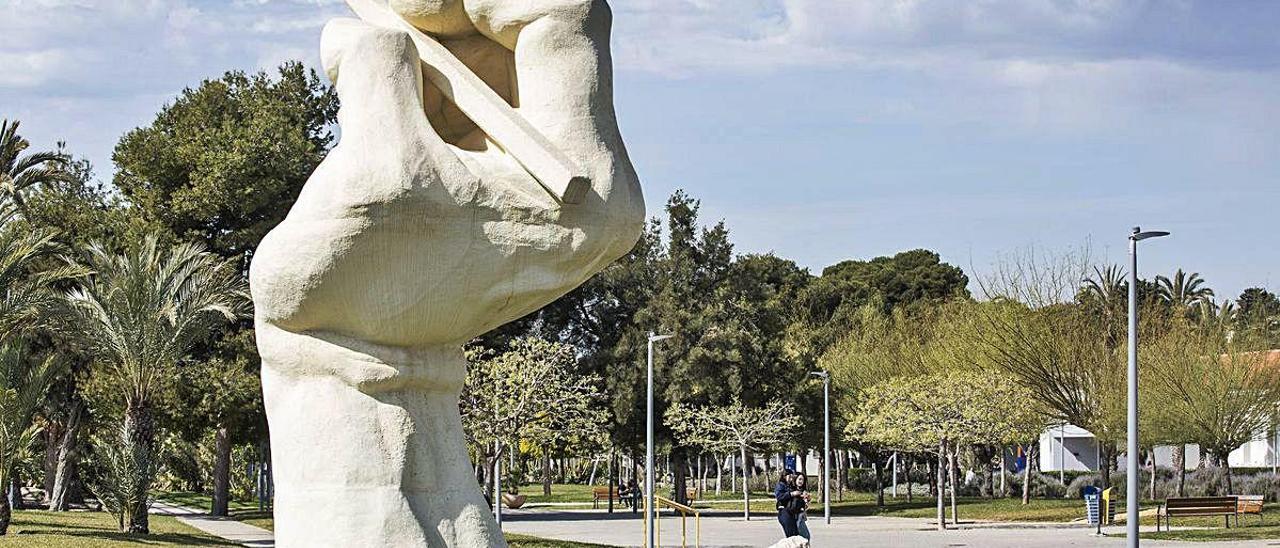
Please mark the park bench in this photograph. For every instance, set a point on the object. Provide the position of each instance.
(1249, 504)
(1198, 506)
(605, 493)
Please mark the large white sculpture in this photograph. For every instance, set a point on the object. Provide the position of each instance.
(440, 214)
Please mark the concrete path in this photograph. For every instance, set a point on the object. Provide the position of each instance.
(243, 533)
(731, 531)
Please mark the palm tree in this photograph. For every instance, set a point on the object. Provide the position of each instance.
(1184, 291)
(1107, 287)
(141, 312)
(1106, 294)
(18, 173)
(28, 275)
(22, 387)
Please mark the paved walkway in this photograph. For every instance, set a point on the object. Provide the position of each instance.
(229, 529)
(728, 531)
(844, 531)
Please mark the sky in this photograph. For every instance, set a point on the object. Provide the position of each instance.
(820, 130)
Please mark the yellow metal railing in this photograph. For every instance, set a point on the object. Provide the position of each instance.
(684, 515)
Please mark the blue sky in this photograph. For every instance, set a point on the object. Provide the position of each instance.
(821, 129)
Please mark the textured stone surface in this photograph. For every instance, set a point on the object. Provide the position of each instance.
(405, 244)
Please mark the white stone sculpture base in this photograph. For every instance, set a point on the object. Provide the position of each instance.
(373, 464)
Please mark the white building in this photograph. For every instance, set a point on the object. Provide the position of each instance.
(1069, 447)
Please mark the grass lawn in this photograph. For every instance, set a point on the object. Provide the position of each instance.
(1043, 510)
(522, 541)
(40, 529)
(240, 510)
(200, 501)
(1244, 532)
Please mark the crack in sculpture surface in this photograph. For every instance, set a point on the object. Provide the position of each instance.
(405, 244)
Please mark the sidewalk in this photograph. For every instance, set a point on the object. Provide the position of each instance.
(724, 530)
(243, 533)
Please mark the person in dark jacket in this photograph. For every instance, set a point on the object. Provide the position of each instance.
(783, 493)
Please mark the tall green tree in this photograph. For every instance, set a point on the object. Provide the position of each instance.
(224, 162)
(915, 277)
(141, 312)
(687, 275)
(1258, 314)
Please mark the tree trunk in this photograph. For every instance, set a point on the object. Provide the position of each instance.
(1180, 467)
(1225, 457)
(719, 472)
(991, 471)
(911, 460)
(822, 469)
(877, 470)
(929, 464)
(546, 472)
(52, 436)
(64, 469)
(139, 426)
(1026, 473)
(705, 464)
(842, 472)
(221, 470)
(1108, 454)
(940, 480)
(679, 476)
(1153, 474)
(733, 473)
(951, 479)
(6, 514)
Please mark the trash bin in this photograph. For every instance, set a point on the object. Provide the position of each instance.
(1091, 504)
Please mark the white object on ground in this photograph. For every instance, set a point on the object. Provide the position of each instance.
(791, 542)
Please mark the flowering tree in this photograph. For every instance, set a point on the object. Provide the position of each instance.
(734, 426)
(942, 412)
(531, 392)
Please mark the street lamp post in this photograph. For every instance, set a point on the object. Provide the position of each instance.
(826, 443)
(650, 512)
(1131, 489)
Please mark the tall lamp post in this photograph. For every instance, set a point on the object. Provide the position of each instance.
(1131, 489)
(650, 512)
(826, 443)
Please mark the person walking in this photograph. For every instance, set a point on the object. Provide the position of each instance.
(783, 494)
(800, 507)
